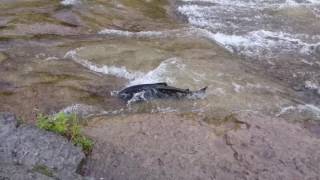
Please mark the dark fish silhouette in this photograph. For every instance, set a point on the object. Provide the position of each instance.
(144, 92)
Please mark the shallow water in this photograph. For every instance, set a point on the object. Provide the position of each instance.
(72, 55)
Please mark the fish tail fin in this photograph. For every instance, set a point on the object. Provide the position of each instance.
(199, 94)
(202, 90)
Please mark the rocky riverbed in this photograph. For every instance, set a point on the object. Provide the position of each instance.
(259, 119)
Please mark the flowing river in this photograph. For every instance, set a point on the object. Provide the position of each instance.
(73, 56)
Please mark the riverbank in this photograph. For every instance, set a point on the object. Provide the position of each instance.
(245, 145)
(184, 146)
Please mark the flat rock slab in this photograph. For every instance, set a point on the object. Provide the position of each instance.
(171, 146)
(31, 147)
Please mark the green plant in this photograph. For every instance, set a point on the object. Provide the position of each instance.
(85, 143)
(19, 122)
(42, 169)
(66, 125)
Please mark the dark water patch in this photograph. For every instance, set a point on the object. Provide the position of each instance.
(5, 38)
(153, 9)
(31, 18)
(27, 4)
(50, 78)
(7, 88)
(3, 27)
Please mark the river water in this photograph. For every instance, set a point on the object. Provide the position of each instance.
(260, 56)
(280, 35)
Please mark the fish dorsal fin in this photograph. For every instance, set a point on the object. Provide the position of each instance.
(203, 89)
(162, 83)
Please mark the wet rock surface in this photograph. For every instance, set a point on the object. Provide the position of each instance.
(28, 152)
(50, 86)
(52, 17)
(170, 146)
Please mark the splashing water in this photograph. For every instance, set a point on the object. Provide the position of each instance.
(69, 2)
(282, 37)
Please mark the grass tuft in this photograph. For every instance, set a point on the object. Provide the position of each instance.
(43, 170)
(68, 126)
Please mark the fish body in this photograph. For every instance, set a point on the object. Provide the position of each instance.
(145, 92)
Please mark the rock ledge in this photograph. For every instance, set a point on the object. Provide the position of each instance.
(27, 152)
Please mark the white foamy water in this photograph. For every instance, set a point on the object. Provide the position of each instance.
(312, 85)
(69, 2)
(279, 33)
(167, 71)
(244, 25)
(316, 12)
(84, 110)
(310, 109)
(128, 33)
(250, 44)
(280, 36)
(163, 73)
(265, 44)
(121, 72)
(164, 110)
(237, 87)
(81, 110)
(181, 32)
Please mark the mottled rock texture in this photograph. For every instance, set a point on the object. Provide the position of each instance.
(170, 146)
(26, 151)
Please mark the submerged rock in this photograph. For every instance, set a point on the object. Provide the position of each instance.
(31, 148)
